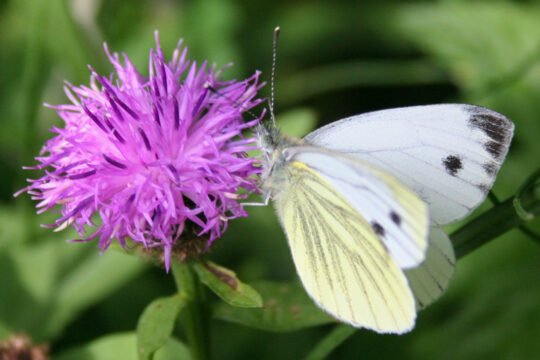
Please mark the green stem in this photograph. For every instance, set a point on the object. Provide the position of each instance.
(494, 222)
(195, 316)
(338, 335)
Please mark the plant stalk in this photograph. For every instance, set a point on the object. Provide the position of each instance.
(195, 316)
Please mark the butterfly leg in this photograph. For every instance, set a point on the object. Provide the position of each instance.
(263, 203)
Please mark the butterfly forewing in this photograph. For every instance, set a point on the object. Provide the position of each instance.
(449, 154)
(339, 254)
(395, 214)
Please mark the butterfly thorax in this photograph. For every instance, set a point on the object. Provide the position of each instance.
(276, 153)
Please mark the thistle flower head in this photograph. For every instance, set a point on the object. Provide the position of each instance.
(159, 159)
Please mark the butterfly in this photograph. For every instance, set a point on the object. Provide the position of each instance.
(362, 200)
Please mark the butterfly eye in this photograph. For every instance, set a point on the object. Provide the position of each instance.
(287, 154)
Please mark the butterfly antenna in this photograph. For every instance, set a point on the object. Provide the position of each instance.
(234, 102)
(273, 78)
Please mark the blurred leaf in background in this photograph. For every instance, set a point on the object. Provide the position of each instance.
(335, 59)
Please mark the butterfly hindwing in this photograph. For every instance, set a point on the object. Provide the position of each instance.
(340, 255)
(449, 154)
(431, 279)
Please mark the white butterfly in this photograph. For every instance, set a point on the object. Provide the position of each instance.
(356, 199)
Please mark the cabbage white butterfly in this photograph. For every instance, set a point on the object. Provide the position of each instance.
(357, 197)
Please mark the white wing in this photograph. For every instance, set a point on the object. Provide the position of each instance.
(449, 154)
(430, 280)
(395, 213)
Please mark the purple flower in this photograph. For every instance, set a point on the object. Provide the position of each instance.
(160, 159)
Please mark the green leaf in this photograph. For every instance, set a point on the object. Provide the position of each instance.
(173, 349)
(123, 346)
(505, 34)
(29, 285)
(41, 296)
(92, 280)
(110, 347)
(287, 307)
(224, 283)
(157, 323)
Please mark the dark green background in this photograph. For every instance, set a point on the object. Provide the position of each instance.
(335, 59)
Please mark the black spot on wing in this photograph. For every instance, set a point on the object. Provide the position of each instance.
(395, 218)
(379, 230)
(490, 168)
(484, 188)
(452, 164)
(495, 149)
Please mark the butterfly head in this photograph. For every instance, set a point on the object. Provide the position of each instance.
(268, 137)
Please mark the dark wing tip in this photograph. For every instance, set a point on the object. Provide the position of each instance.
(496, 126)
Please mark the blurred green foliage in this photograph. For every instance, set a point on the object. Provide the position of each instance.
(335, 59)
